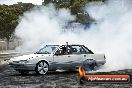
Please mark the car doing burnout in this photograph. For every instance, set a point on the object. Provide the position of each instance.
(53, 57)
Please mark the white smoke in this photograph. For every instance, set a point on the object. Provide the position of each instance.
(113, 32)
(41, 26)
(111, 35)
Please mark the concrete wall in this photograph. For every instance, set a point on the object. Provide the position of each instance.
(12, 45)
(3, 45)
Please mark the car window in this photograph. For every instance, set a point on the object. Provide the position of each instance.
(72, 49)
(87, 50)
(63, 50)
(48, 49)
(76, 49)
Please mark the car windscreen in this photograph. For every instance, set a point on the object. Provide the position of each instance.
(48, 49)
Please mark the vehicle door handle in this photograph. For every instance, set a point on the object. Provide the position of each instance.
(69, 56)
(84, 55)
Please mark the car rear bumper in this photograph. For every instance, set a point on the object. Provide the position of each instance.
(99, 63)
(17, 66)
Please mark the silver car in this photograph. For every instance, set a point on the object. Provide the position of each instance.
(53, 57)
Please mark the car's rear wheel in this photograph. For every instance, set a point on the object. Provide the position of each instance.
(42, 68)
(89, 64)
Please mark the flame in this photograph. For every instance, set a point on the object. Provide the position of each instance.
(81, 71)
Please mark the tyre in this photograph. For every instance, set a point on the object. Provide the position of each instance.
(42, 68)
(89, 65)
(23, 72)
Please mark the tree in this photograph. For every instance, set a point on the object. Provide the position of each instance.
(76, 7)
(9, 19)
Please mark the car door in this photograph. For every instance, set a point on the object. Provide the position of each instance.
(76, 57)
(60, 58)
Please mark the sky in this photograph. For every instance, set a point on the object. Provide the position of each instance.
(9, 2)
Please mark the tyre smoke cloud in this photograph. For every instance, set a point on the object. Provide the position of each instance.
(111, 34)
(42, 25)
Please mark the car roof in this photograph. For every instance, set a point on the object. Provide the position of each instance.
(65, 45)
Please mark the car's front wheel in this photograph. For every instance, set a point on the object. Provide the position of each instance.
(42, 68)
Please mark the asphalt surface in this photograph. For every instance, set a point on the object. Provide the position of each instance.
(9, 78)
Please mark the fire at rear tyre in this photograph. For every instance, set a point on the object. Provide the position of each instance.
(42, 68)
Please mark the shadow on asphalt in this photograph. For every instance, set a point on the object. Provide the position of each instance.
(49, 73)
